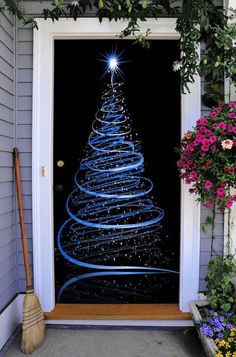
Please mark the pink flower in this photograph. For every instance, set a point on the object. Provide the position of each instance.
(213, 139)
(227, 144)
(209, 204)
(205, 148)
(202, 121)
(232, 105)
(193, 175)
(208, 131)
(234, 130)
(208, 184)
(229, 171)
(213, 148)
(222, 125)
(220, 192)
(199, 138)
(191, 146)
(218, 109)
(191, 190)
(230, 128)
(213, 114)
(234, 197)
(187, 181)
(232, 115)
(179, 163)
(229, 203)
(205, 142)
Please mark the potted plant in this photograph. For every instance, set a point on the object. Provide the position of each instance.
(208, 163)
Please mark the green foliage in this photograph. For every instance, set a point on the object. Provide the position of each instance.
(208, 223)
(197, 21)
(220, 290)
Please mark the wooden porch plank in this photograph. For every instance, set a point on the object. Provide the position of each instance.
(117, 312)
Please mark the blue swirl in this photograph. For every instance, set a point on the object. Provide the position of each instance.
(113, 220)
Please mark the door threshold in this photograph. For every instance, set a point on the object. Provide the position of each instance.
(117, 312)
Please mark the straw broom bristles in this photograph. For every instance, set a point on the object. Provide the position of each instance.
(33, 326)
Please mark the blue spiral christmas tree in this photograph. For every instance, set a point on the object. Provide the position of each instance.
(113, 221)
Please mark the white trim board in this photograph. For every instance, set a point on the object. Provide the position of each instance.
(126, 323)
(42, 155)
(10, 319)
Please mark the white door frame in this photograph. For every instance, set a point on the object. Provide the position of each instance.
(42, 155)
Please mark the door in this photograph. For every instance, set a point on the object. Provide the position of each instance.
(116, 188)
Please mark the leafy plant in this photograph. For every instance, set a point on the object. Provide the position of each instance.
(220, 290)
(198, 21)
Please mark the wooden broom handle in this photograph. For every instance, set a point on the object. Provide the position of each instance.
(22, 219)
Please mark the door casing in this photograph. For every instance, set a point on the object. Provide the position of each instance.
(42, 152)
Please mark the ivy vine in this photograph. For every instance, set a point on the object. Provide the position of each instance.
(198, 21)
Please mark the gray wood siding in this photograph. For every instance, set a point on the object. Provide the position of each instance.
(24, 142)
(24, 63)
(8, 240)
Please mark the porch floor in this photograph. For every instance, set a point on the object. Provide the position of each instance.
(115, 342)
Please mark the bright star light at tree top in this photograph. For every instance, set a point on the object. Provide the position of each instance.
(113, 60)
(113, 64)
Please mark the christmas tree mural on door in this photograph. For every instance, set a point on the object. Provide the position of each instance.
(113, 239)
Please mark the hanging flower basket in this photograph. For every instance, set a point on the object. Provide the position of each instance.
(207, 157)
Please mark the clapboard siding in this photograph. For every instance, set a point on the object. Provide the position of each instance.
(9, 235)
(8, 238)
(24, 135)
(7, 54)
(9, 293)
(6, 174)
(6, 83)
(7, 41)
(7, 29)
(6, 204)
(7, 99)
(24, 116)
(24, 142)
(6, 189)
(8, 264)
(25, 61)
(6, 68)
(7, 129)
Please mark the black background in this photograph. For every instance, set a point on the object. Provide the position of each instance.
(152, 94)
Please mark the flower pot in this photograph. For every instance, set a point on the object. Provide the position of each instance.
(207, 343)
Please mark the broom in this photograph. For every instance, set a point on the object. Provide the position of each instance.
(33, 326)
